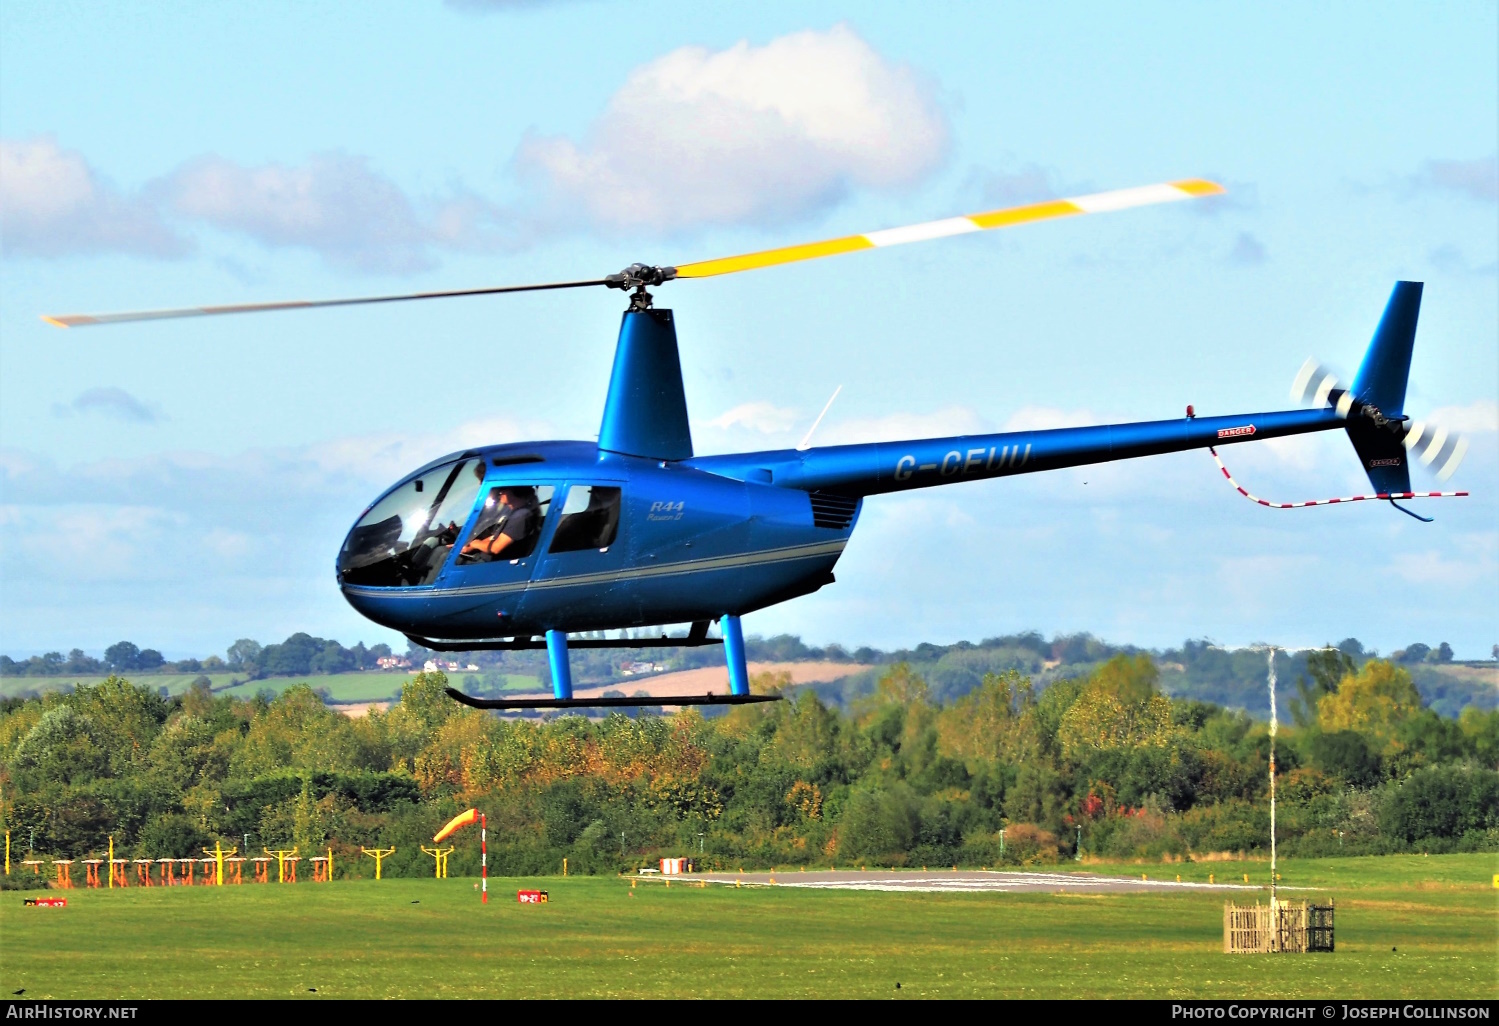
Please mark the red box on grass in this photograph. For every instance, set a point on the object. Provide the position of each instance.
(531, 897)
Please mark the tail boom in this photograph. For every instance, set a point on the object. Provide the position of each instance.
(881, 467)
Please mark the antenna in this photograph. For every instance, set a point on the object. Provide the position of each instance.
(806, 442)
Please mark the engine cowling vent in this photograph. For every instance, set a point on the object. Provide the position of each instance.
(833, 511)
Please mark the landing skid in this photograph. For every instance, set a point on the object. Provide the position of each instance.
(593, 703)
(562, 675)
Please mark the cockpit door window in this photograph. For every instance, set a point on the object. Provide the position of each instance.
(508, 524)
(590, 519)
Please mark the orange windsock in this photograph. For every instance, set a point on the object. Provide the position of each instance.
(463, 819)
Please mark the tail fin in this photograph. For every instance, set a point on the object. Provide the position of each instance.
(1374, 426)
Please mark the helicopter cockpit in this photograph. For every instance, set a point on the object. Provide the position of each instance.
(508, 525)
(406, 536)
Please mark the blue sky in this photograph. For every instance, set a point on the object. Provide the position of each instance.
(184, 484)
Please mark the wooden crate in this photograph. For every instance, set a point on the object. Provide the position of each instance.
(1288, 926)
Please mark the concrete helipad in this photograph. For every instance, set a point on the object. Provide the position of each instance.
(966, 881)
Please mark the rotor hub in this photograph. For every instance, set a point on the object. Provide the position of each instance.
(637, 277)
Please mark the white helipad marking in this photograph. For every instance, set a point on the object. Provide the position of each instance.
(990, 881)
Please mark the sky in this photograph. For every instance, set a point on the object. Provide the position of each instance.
(183, 484)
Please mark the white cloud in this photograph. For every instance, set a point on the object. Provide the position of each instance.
(894, 427)
(350, 469)
(750, 134)
(163, 538)
(1431, 567)
(1450, 259)
(1479, 415)
(1047, 418)
(115, 403)
(128, 543)
(1247, 251)
(1299, 452)
(763, 417)
(52, 204)
(1476, 179)
(1029, 183)
(746, 135)
(334, 205)
(492, 6)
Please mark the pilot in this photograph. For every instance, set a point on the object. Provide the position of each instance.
(509, 519)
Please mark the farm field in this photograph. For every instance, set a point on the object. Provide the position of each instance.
(341, 687)
(175, 683)
(375, 686)
(1407, 927)
(362, 687)
(699, 681)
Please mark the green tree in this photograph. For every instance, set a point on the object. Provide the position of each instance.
(1376, 702)
(297, 731)
(1120, 708)
(1326, 667)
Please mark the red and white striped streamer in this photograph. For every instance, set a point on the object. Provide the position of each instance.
(1327, 502)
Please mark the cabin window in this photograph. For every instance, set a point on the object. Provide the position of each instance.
(405, 538)
(590, 519)
(508, 524)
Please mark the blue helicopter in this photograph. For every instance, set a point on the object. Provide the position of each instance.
(519, 546)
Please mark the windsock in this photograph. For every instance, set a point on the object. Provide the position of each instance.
(463, 819)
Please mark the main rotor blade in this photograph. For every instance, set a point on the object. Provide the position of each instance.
(1096, 203)
(80, 320)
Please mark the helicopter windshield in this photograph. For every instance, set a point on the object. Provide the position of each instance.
(405, 538)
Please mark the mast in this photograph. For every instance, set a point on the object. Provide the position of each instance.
(1273, 726)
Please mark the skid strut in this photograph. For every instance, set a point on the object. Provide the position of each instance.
(562, 678)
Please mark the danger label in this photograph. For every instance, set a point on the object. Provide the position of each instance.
(1236, 432)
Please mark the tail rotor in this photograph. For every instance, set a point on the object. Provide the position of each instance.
(1434, 447)
(1437, 449)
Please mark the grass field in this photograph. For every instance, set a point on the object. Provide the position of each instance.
(1407, 927)
(175, 683)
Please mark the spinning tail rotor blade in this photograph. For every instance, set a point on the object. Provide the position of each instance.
(80, 320)
(1313, 384)
(1431, 446)
(1096, 203)
(1435, 448)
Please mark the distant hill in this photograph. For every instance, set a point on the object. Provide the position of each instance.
(1198, 670)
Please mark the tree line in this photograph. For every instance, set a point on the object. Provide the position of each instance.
(954, 669)
(1007, 773)
(297, 656)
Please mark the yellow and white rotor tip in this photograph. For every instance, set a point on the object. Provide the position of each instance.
(1094, 203)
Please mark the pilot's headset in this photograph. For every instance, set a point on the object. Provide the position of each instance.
(521, 496)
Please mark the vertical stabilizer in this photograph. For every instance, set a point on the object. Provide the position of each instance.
(646, 411)
(1382, 376)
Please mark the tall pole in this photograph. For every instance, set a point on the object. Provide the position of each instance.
(1273, 727)
(483, 859)
(111, 858)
